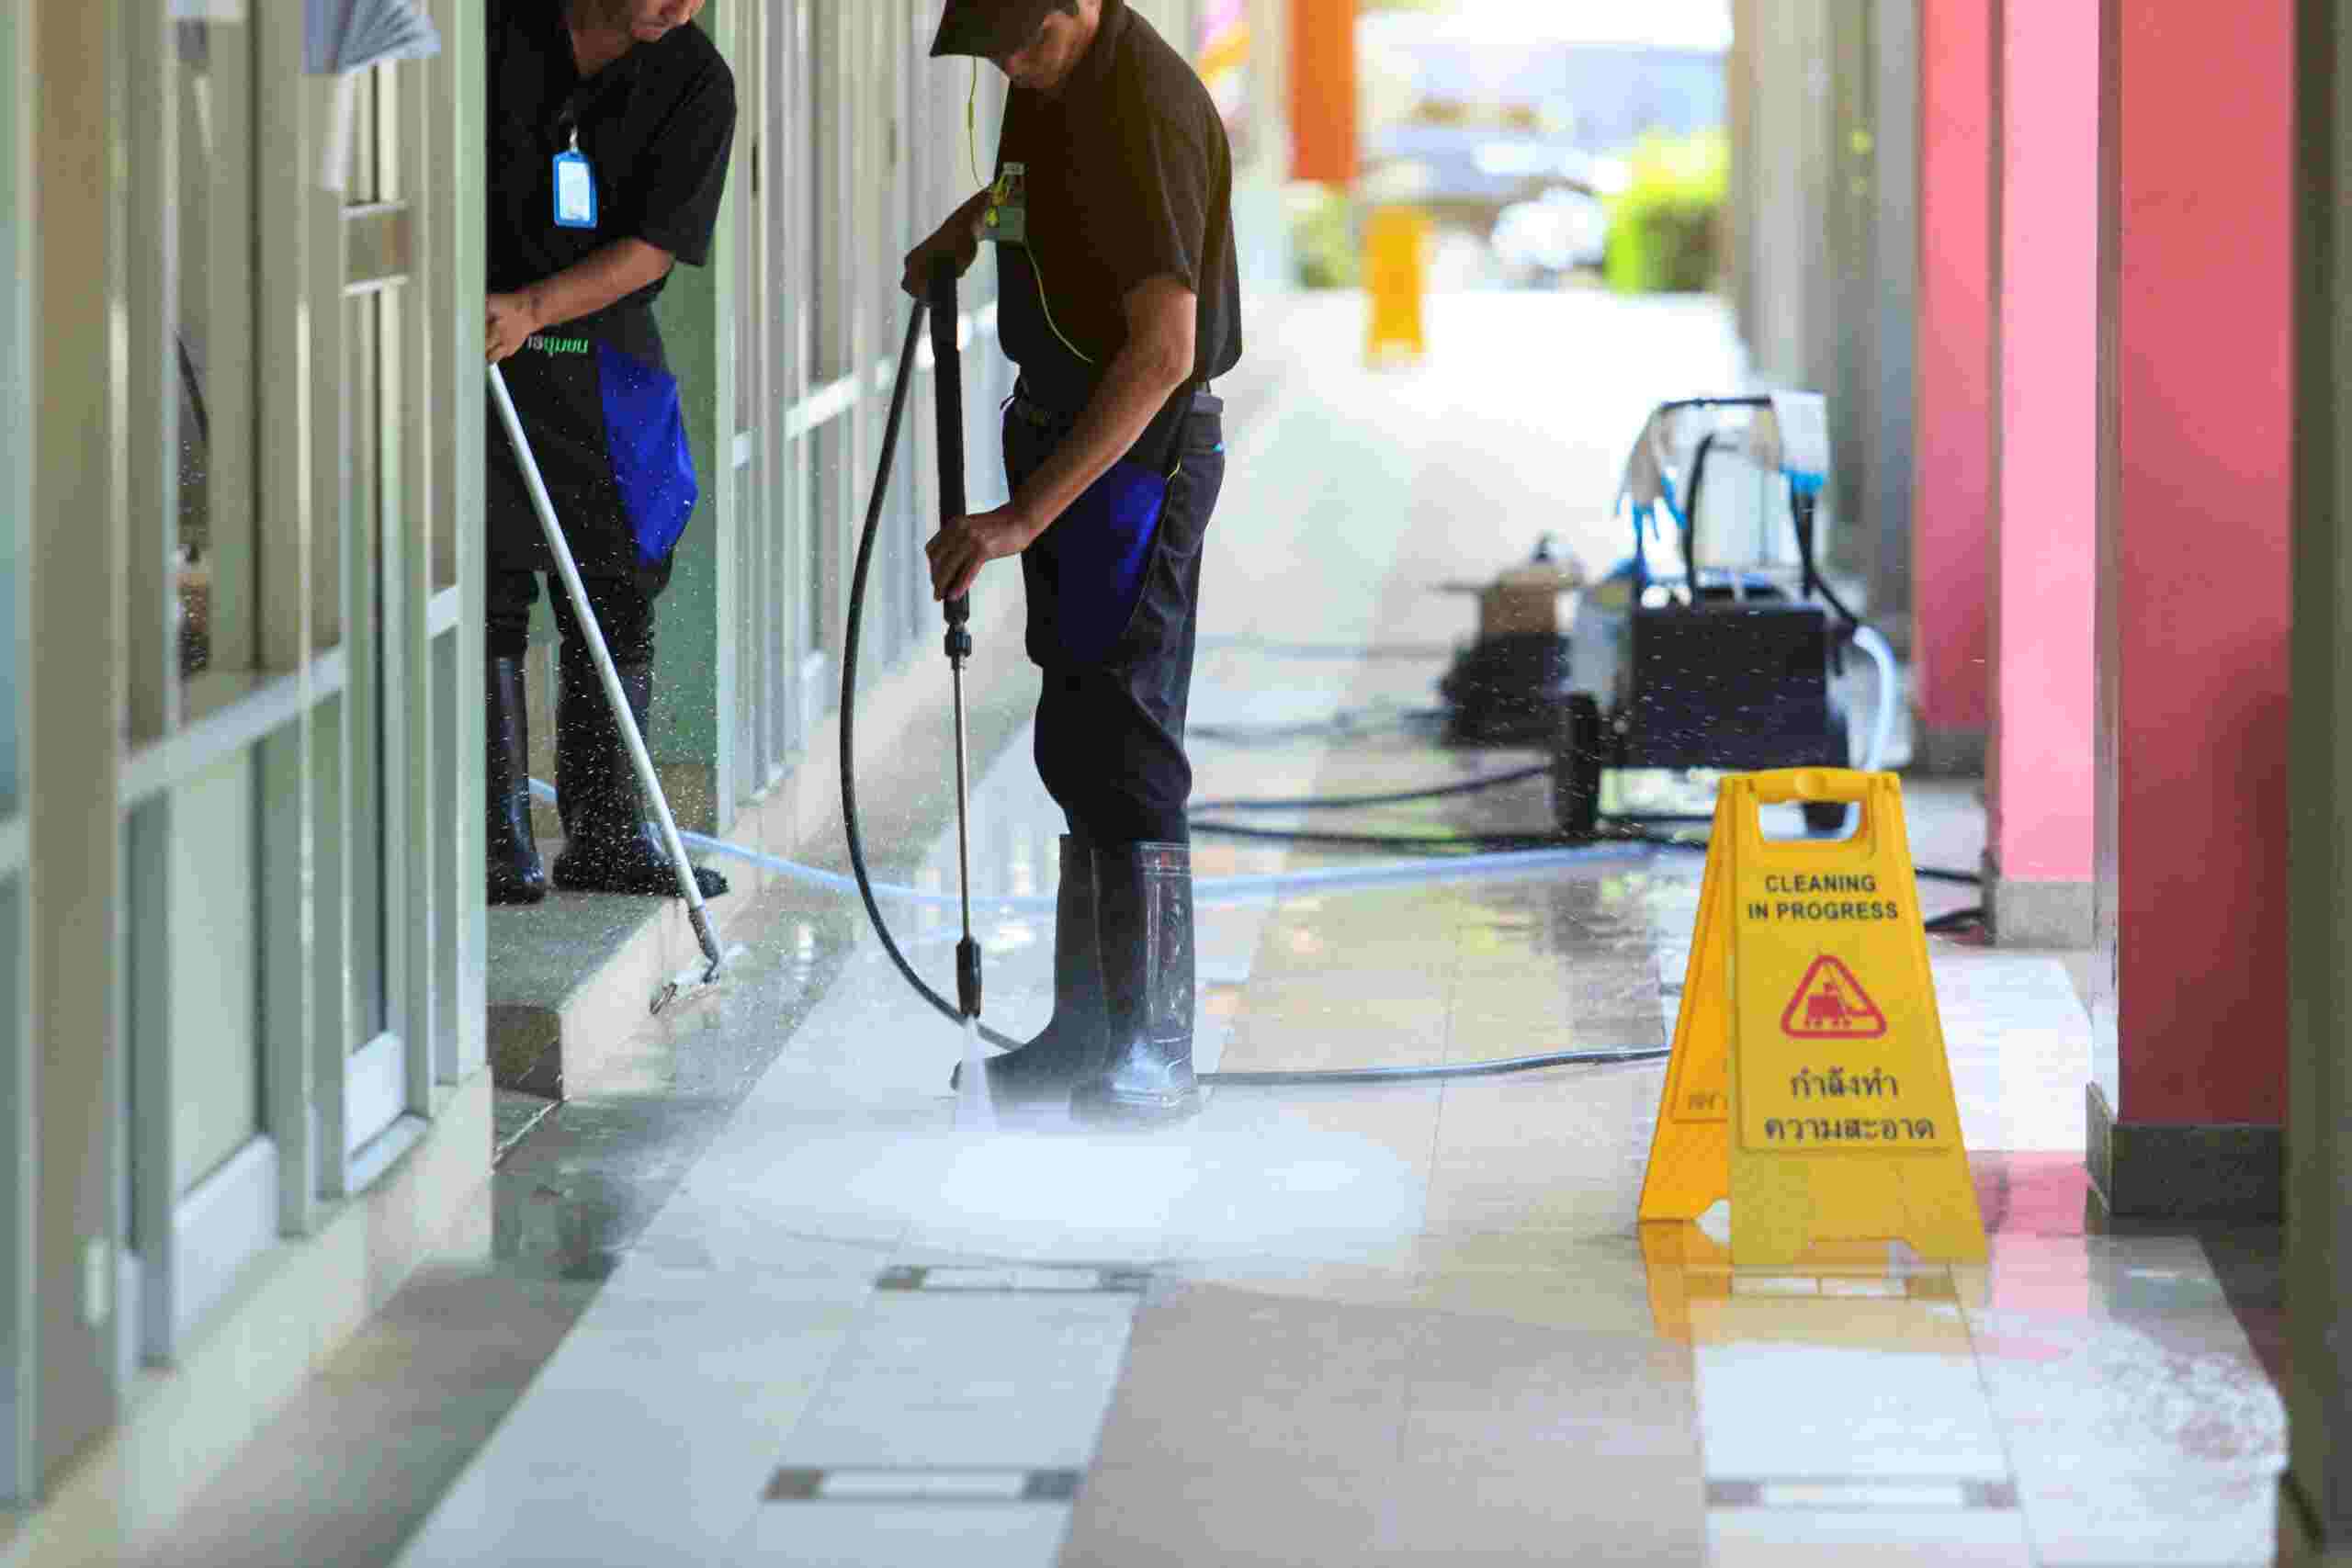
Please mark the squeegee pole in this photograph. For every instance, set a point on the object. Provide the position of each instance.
(947, 383)
(624, 718)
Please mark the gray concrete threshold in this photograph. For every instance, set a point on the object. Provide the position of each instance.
(571, 980)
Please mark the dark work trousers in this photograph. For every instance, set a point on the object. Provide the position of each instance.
(1110, 734)
(622, 603)
(559, 420)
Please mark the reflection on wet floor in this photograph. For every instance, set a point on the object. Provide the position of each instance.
(1411, 1324)
(752, 1296)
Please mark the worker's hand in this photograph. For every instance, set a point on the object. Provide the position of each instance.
(958, 240)
(512, 320)
(960, 550)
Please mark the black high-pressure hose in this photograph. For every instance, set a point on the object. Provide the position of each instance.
(944, 326)
(850, 641)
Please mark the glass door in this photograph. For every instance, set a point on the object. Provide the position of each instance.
(375, 220)
(16, 501)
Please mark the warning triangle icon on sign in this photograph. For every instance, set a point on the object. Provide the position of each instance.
(1830, 1004)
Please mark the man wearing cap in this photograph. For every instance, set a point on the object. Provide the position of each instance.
(1119, 299)
(610, 126)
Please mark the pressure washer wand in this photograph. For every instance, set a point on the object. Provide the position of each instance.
(948, 384)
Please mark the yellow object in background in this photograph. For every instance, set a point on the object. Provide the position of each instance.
(1395, 278)
(1809, 1084)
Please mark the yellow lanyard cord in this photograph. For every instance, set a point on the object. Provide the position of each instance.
(972, 124)
(1046, 305)
(972, 153)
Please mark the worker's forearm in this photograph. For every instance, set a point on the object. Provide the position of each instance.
(1136, 388)
(587, 285)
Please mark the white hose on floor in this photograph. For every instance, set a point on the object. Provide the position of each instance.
(1890, 692)
(1207, 890)
(1227, 890)
(1890, 688)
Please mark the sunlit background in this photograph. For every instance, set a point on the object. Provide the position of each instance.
(1556, 145)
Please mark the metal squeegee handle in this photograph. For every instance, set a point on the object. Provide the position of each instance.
(624, 718)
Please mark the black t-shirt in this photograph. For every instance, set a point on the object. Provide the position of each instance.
(1129, 177)
(657, 127)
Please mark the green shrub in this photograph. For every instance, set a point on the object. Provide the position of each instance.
(1324, 246)
(1666, 226)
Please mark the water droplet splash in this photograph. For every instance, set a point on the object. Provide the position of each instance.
(975, 1109)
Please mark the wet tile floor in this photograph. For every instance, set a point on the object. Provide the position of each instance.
(1395, 1325)
(768, 1303)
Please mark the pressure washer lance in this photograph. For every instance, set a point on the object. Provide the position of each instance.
(946, 354)
(623, 717)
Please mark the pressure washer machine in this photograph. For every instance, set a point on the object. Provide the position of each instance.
(1719, 656)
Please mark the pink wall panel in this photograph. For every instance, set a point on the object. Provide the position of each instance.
(2199, 615)
(2045, 530)
(1953, 512)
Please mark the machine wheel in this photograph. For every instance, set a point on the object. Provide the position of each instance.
(1824, 816)
(1575, 769)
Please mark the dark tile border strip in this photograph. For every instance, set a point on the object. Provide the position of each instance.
(942, 1280)
(801, 1484)
(1749, 1494)
(2230, 1172)
(527, 1049)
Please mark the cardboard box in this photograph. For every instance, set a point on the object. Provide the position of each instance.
(1529, 600)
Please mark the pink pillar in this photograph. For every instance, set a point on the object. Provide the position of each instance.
(2194, 604)
(1952, 516)
(2039, 848)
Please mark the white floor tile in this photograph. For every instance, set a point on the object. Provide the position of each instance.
(906, 1535)
(948, 1381)
(2126, 1522)
(2176, 1394)
(525, 1511)
(1779, 1538)
(1792, 1412)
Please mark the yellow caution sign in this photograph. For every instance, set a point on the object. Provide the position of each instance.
(1684, 1268)
(1395, 245)
(1698, 1298)
(1809, 1014)
(1690, 1171)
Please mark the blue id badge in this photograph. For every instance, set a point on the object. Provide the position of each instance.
(575, 191)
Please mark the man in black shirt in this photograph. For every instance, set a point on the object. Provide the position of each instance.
(1120, 302)
(610, 126)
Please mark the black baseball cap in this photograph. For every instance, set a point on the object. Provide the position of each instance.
(990, 28)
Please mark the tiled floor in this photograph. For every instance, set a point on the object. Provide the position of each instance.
(1404, 1325)
(1408, 1324)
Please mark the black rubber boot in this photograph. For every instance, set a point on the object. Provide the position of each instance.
(517, 873)
(1143, 913)
(1077, 1037)
(608, 845)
